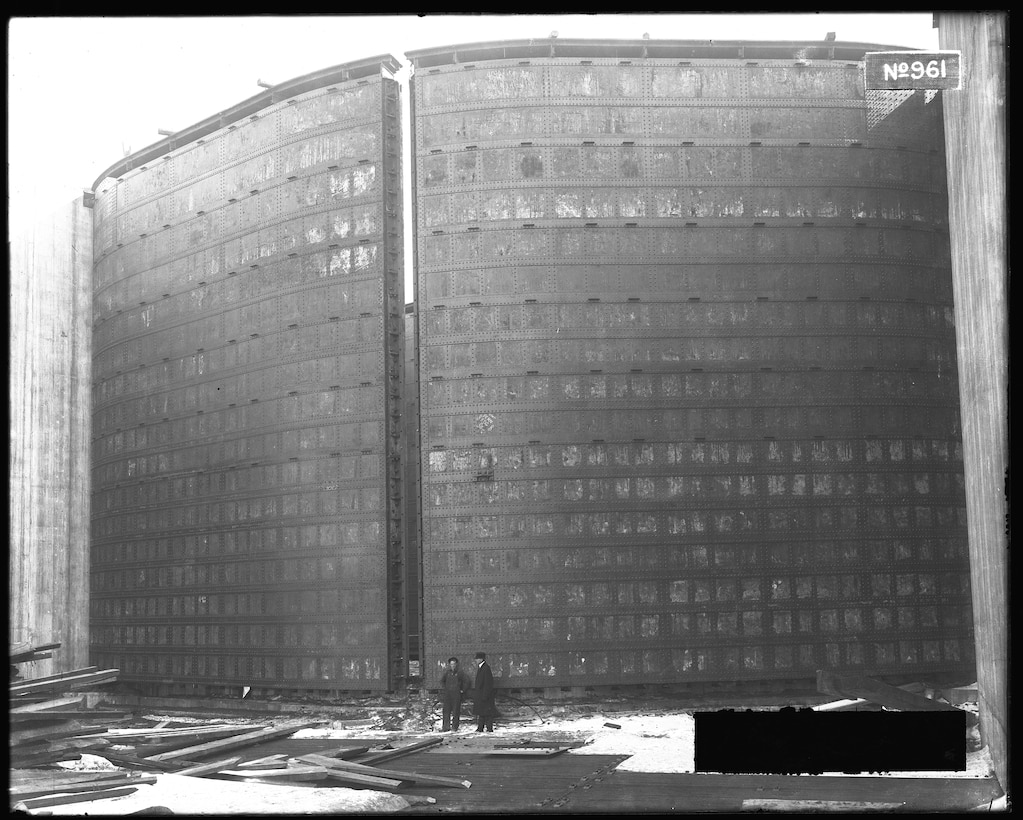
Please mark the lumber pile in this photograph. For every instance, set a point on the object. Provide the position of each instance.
(50, 718)
(336, 767)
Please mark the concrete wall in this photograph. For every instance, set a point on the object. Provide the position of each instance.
(975, 129)
(50, 400)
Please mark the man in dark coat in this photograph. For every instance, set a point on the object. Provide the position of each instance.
(483, 695)
(454, 684)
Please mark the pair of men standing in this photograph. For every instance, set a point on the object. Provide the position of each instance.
(455, 684)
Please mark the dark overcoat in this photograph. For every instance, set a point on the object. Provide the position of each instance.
(483, 704)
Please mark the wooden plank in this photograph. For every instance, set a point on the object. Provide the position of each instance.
(815, 806)
(392, 754)
(238, 742)
(35, 656)
(65, 799)
(69, 714)
(845, 705)
(42, 758)
(373, 771)
(209, 768)
(359, 723)
(541, 744)
(183, 741)
(269, 762)
(23, 699)
(264, 766)
(184, 731)
(65, 744)
(346, 752)
(62, 675)
(69, 682)
(24, 653)
(855, 686)
(38, 735)
(361, 781)
(30, 792)
(285, 775)
(51, 679)
(525, 752)
(52, 703)
(38, 778)
(78, 744)
(133, 762)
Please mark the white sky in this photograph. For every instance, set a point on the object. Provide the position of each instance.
(82, 91)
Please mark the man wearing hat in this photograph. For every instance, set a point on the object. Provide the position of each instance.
(483, 703)
(454, 683)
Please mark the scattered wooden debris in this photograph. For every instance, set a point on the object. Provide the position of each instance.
(612, 725)
(855, 686)
(961, 694)
(237, 742)
(361, 768)
(24, 752)
(392, 754)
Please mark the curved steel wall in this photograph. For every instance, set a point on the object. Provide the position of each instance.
(688, 380)
(248, 308)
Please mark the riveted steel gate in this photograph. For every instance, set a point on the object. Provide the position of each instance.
(689, 407)
(248, 309)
